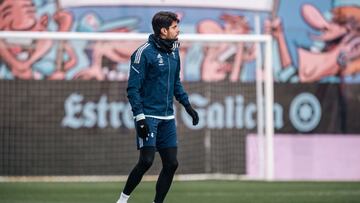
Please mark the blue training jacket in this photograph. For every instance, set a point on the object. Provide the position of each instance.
(154, 80)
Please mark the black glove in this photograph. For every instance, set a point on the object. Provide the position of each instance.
(142, 128)
(194, 115)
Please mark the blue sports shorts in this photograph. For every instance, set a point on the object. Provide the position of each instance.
(162, 134)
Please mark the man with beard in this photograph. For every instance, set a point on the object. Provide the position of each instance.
(153, 82)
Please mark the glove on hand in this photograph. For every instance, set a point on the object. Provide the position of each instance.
(194, 115)
(142, 128)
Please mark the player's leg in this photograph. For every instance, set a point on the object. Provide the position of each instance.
(167, 146)
(170, 164)
(146, 158)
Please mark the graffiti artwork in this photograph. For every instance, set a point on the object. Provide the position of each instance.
(313, 41)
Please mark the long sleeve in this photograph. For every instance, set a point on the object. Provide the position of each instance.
(135, 82)
(179, 91)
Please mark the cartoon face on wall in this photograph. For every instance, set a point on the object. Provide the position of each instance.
(22, 57)
(335, 50)
(20, 15)
(349, 58)
(225, 61)
(337, 30)
(341, 39)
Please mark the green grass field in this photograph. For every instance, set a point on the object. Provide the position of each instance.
(185, 192)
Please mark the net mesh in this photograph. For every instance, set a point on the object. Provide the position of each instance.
(83, 126)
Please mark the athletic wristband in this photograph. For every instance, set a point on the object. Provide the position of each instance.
(139, 117)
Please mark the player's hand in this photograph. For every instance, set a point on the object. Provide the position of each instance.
(194, 115)
(142, 128)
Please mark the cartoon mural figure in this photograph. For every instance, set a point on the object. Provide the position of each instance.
(62, 57)
(109, 59)
(337, 55)
(224, 62)
(340, 54)
(349, 57)
(22, 57)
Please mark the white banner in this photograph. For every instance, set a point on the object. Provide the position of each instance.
(255, 5)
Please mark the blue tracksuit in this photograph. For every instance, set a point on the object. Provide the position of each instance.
(154, 81)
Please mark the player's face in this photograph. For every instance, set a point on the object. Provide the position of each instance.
(173, 31)
(17, 15)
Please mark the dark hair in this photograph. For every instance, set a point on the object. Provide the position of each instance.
(163, 19)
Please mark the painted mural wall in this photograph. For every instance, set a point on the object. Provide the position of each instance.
(315, 41)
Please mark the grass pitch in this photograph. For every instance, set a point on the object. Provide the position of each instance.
(185, 192)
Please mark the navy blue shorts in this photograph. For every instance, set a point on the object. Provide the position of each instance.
(162, 134)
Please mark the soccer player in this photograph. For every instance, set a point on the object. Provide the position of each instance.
(153, 82)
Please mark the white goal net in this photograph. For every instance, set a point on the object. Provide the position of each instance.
(76, 123)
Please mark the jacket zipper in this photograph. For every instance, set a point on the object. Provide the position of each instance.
(168, 86)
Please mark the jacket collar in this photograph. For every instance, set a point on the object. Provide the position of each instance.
(167, 46)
